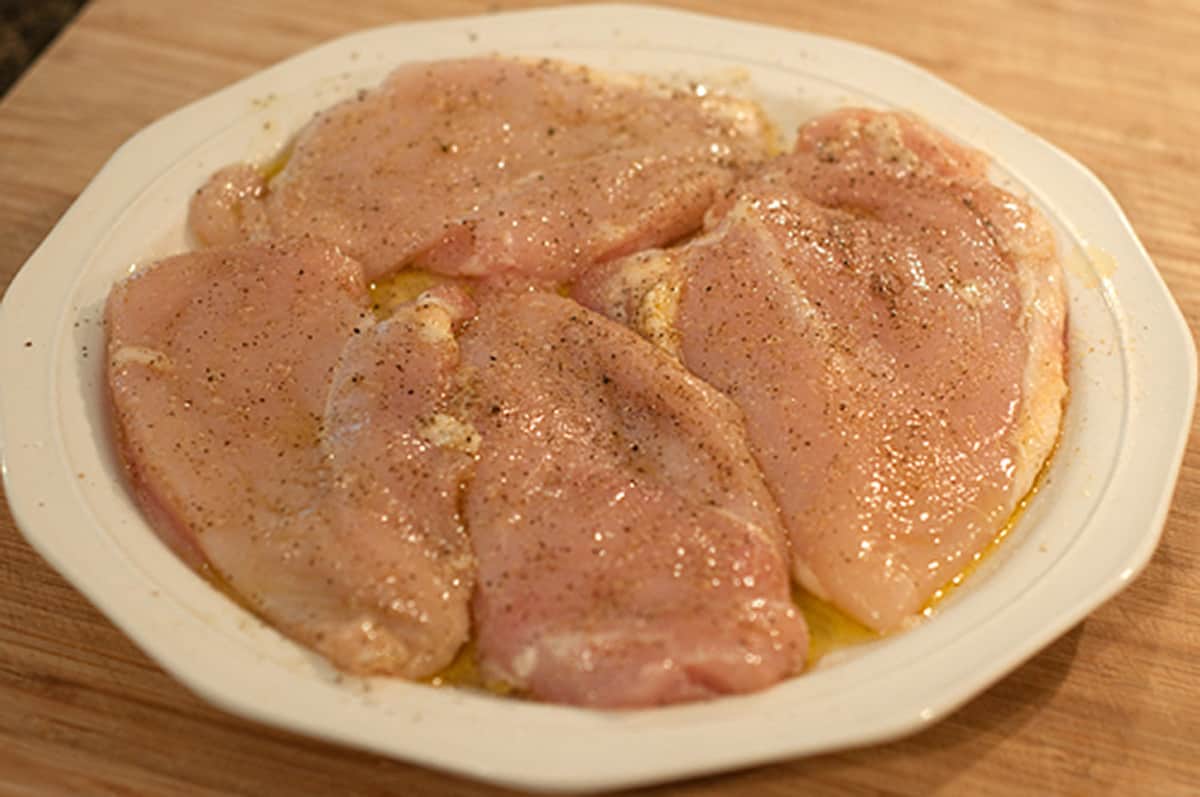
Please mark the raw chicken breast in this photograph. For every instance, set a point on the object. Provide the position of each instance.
(629, 552)
(892, 326)
(510, 169)
(296, 464)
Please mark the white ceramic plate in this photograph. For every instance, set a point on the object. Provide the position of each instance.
(1091, 530)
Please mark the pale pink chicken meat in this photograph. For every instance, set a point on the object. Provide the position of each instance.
(277, 434)
(516, 170)
(629, 553)
(892, 326)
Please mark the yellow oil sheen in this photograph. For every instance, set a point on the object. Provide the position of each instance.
(405, 285)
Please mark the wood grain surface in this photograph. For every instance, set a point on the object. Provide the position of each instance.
(1113, 707)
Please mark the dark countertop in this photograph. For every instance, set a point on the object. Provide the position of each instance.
(26, 27)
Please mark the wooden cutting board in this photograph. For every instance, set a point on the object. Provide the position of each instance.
(1113, 707)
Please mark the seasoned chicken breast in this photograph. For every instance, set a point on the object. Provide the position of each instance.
(892, 326)
(279, 437)
(629, 551)
(508, 169)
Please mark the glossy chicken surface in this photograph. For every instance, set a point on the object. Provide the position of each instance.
(891, 324)
(515, 170)
(629, 552)
(356, 482)
(276, 433)
(560, 372)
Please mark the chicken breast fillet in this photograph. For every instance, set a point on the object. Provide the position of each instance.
(892, 325)
(507, 169)
(277, 436)
(629, 551)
